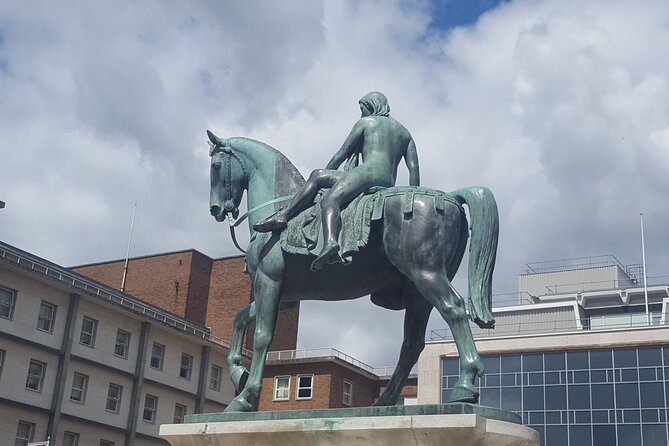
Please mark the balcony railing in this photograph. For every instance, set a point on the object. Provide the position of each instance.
(328, 352)
(529, 327)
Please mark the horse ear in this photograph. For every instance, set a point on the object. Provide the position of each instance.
(213, 138)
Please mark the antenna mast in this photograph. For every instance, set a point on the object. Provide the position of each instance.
(645, 276)
(127, 255)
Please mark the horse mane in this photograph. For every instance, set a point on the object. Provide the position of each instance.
(288, 167)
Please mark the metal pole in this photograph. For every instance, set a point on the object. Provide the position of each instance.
(127, 255)
(645, 277)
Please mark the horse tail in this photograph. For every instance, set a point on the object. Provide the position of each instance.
(484, 228)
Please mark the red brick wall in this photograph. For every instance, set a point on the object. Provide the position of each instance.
(162, 280)
(410, 389)
(195, 287)
(328, 388)
(321, 386)
(229, 290)
(365, 389)
(198, 288)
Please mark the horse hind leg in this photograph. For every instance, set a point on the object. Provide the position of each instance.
(439, 291)
(415, 323)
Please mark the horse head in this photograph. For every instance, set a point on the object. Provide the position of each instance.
(229, 178)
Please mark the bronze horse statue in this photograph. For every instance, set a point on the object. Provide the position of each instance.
(408, 263)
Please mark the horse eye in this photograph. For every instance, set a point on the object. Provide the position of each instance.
(216, 166)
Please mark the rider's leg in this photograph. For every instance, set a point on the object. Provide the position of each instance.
(302, 200)
(347, 188)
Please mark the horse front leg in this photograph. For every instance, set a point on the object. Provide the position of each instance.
(238, 372)
(415, 323)
(267, 292)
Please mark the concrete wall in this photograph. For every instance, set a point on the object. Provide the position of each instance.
(15, 372)
(108, 324)
(174, 347)
(572, 281)
(21, 342)
(218, 399)
(94, 404)
(28, 299)
(12, 414)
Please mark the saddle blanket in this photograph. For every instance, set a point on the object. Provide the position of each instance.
(304, 234)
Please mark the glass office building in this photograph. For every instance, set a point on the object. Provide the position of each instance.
(587, 397)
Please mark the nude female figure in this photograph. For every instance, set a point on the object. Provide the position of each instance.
(383, 142)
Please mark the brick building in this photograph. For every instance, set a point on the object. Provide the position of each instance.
(85, 364)
(196, 287)
(325, 378)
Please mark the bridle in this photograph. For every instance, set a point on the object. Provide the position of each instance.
(228, 155)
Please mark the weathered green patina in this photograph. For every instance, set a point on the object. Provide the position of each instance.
(406, 254)
(382, 142)
(490, 413)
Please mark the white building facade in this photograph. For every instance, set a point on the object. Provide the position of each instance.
(84, 364)
(587, 367)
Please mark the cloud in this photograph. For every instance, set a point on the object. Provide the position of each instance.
(560, 107)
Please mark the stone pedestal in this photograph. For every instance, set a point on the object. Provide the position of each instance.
(405, 426)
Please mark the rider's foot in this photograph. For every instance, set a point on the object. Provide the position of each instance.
(274, 223)
(329, 255)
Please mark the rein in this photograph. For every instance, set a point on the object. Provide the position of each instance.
(234, 224)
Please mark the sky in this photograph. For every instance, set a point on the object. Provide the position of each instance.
(560, 107)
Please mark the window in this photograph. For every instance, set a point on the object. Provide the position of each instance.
(70, 439)
(113, 397)
(79, 384)
(150, 407)
(179, 413)
(107, 443)
(347, 400)
(157, 355)
(88, 328)
(304, 386)
(24, 433)
(186, 366)
(214, 379)
(281, 388)
(36, 372)
(2, 360)
(45, 319)
(122, 344)
(7, 301)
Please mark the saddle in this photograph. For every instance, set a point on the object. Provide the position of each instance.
(304, 233)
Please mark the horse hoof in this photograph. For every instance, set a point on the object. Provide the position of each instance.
(382, 402)
(464, 393)
(239, 376)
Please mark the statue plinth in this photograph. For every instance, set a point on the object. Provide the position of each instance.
(427, 425)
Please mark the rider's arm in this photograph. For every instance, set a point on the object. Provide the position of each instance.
(411, 159)
(349, 146)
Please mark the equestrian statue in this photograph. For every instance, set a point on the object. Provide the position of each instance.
(406, 243)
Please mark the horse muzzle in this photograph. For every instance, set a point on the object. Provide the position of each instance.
(221, 213)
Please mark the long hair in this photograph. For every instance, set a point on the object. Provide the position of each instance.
(377, 103)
